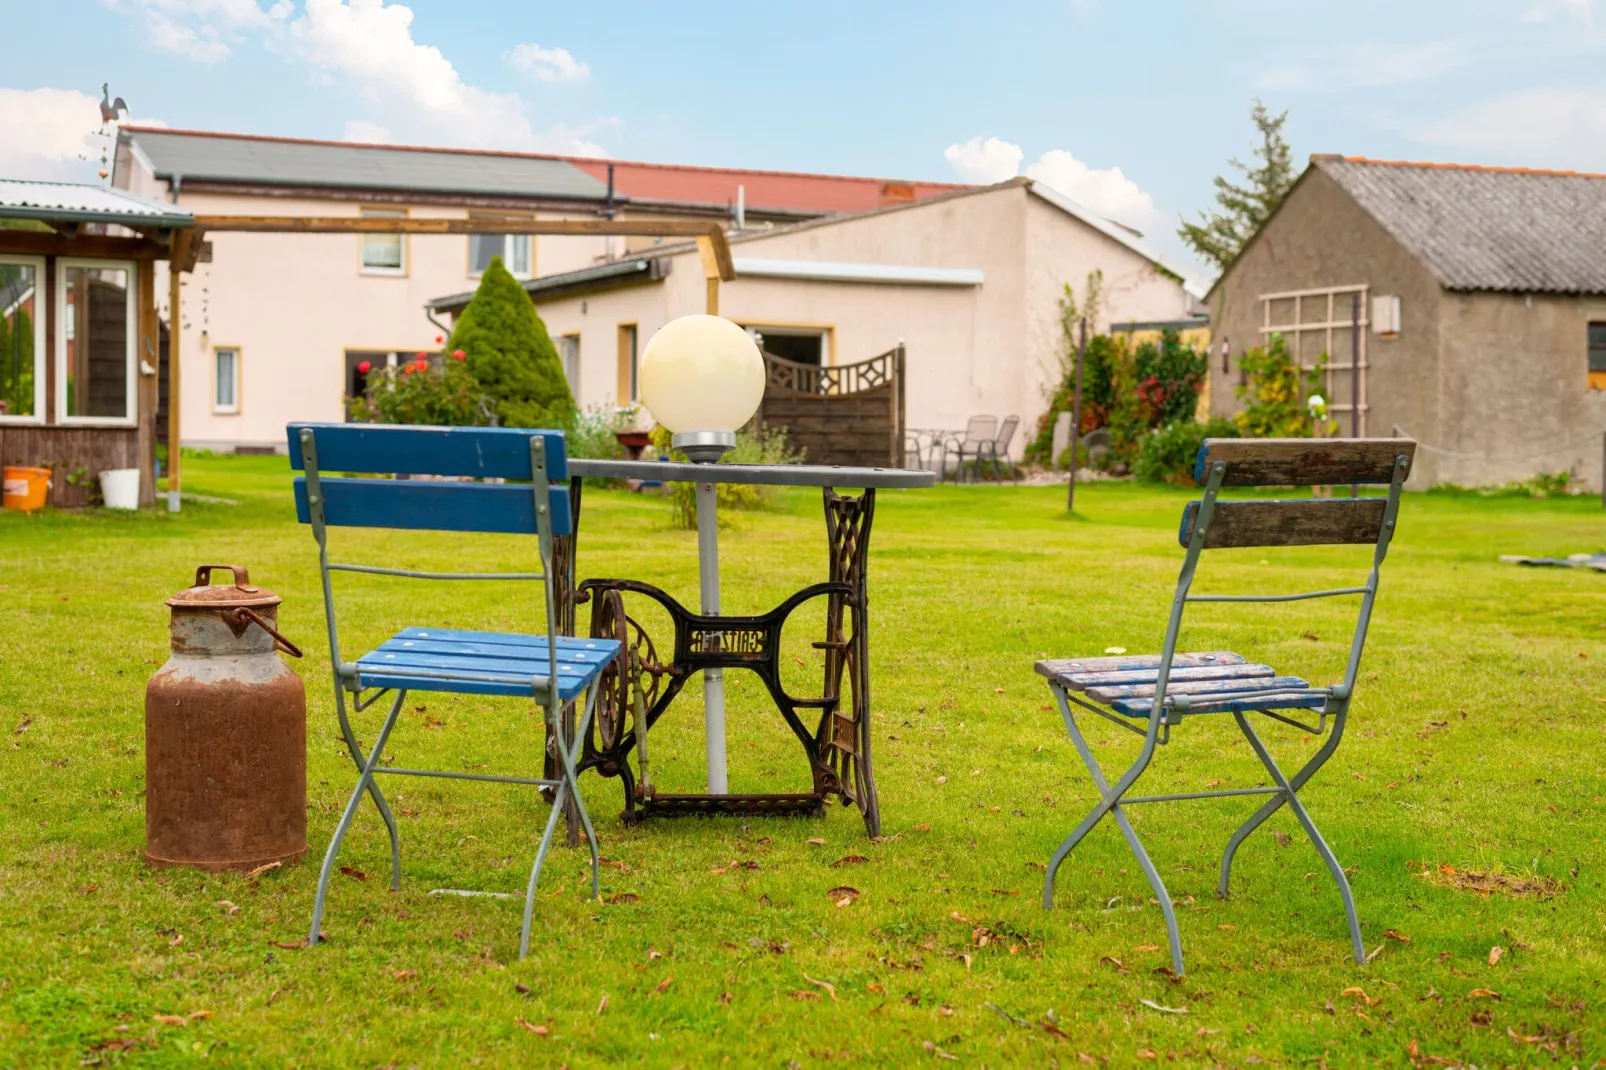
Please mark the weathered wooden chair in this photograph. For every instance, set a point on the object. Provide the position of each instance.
(550, 668)
(1150, 695)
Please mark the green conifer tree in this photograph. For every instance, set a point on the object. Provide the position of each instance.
(511, 355)
(1218, 236)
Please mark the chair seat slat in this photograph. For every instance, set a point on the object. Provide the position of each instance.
(1195, 687)
(1057, 667)
(568, 686)
(593, 653)
(1079, 680)
(1139, 707)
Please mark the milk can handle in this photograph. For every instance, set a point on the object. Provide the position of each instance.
(242, 578)
(243, 617)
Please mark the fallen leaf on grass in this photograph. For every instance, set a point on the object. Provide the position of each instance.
(538, 1030)
(849, 860)
(89, 889)
(1390, 934)
(407, 975)
(828, 986)
(725, 997)
(227, 906)
(1111, 960)
(1146, 1053)
(1520, 1039)
(1483, 993)
(622, 897)
(354, 873)
(1487, 883)
(942, 780)
(170, 1019)
(1359, 994)
(1147, 947)
(1495, 953)
(1153, 1006)
(816, 841)
(843, 896)
(267, 867)
(1115, 650)
(938, 1052)
(289, 945)
(22, 725)
(663, 986)
(804, 996)
(195, 1015)
(922, 828)
(178, 938)
(521, 988)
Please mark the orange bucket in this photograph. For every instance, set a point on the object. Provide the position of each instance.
(25, 488)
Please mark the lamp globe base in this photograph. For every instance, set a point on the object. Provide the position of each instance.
(704, 447)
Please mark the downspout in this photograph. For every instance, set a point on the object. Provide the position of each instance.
(446, 332)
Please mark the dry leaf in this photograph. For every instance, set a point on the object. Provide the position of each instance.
(1115, 650)
(538, 1030)
(725, 997)
(1495, 953)
(170, 1019)
(1390, 934)
(663, 986)
(406, 975)
(521, 988)
(603, 1005)
(801, 995)
(828, 986)
(1147, 947)
(1153, 1006)
(1113, 961)
(623, 897)
(816, 841)
(199, 1014)
(227, 906)
(1227, 927)
(293, 945)
(1483, 993)
(268, 867)
(178, 938)
(922, 828)
(1358, 993)
(849, 860)
(1146, 1053)
(934, 1050)
(942, 780)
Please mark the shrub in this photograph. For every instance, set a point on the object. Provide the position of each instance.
(442, 393)
(759, 445)
(1276, 391)
(511, 354)
(1167, 454)
(1101, 370)
(1169, 376)
(592, 434)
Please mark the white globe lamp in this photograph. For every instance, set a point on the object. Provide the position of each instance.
(702, 377)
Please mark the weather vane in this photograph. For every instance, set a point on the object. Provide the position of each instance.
(110, 111)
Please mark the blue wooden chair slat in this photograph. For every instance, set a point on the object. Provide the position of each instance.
(1262, 682)
(552, 670)
(1054, 667)
(1160, 691)
(1079, 681)
(409, 505)
(483, 452)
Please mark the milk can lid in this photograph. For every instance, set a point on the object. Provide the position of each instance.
(206, 595)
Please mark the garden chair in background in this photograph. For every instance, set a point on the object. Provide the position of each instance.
(552, 669)
(997, 450)
(1150, 695)
(979, 433)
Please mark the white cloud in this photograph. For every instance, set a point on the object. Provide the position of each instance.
(203, 30)
(1563, 128)
(1547, 10)
(53, 134)
(548, 64)
(985, 162)
(365, 131)
(1367, 65)
(416, 89)
(1109, 192)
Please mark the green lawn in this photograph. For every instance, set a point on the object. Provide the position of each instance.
(1475, 744)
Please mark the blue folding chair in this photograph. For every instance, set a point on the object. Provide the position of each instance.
(553, 669)
(1158, 691)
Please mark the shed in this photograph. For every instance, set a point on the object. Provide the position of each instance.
(80, 342)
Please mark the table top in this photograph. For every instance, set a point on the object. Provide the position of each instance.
(775, 475)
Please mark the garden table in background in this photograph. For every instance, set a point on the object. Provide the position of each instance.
(838, 746)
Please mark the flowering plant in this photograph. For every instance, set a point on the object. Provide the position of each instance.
(439, 391)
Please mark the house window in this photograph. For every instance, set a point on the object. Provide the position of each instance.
(384, 254)
(514, 249)
(1597, 356)
(22, 340)
(800, 345)
(569, 353)
(95, 341)
(629, 367)
(225, 380)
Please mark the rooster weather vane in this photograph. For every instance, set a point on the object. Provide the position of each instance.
(110, 111)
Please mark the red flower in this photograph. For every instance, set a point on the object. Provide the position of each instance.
(458, 354)
(439, 339)
(408, 370)
(421, 355)
(364, 367)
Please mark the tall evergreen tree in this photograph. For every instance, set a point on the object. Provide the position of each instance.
(511, 355)
(1218, 236)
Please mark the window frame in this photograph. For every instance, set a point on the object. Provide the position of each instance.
(793, 328)
(363, 267)
(627, 385)
(574, 383)
(239, 380)
(41, 346)
(131, 357)
(1596, 378)
(507, 242)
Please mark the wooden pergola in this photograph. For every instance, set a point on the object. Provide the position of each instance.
(186, 246)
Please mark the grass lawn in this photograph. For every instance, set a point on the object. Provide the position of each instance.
(1475, 744)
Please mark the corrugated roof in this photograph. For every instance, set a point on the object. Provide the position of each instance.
(201, 156)
(784, 191)
(72, 202)
(1487, 228)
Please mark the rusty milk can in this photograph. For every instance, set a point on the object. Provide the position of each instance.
(225, 734)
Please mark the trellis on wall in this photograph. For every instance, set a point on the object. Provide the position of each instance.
(1331, 320)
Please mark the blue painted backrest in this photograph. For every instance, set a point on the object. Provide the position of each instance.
(482, 452)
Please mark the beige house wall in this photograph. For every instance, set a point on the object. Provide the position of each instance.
(991, 348)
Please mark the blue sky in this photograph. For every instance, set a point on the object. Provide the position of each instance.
(1130, 107)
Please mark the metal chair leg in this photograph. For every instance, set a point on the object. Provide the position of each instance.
(1109, 802)
(1275, 803)
(1315, 837)
(373, 789)
(568, 787)
(364, 781)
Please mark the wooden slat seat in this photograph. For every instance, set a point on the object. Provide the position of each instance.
(482, 663)
(1225, 701)
(1056, 668)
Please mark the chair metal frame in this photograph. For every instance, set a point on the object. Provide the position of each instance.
(971, 442)
(1168, 710)
(996, 449)
(544, 689)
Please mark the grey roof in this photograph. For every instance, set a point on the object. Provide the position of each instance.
(598, 276)
(1485, 228)
(285, 162)
(72, 202)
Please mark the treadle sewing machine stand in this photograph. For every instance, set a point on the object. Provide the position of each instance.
(837, 745)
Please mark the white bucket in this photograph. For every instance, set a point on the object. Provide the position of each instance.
(120, 488)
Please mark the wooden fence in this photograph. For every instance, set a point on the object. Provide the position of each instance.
(850, 414)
